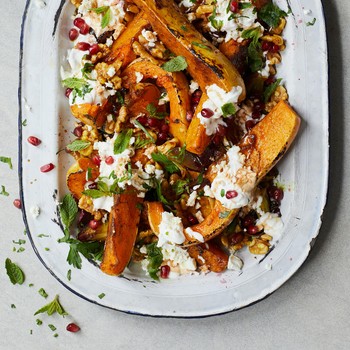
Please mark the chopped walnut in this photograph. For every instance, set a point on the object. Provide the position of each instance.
(86, 204)
(109, 73)
(279, 95)
(142, 52)
(259, 246)
(104, 51)
(89, 134)
(121, 119)
(76, 3)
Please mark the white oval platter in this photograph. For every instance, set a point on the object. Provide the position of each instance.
(44, 112)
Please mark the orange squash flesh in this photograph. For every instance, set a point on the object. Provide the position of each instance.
(272, 138)
(154, 214)
(122, 231)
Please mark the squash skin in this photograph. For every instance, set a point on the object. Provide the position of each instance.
(272, 137)
(176, 86)
(122, 231)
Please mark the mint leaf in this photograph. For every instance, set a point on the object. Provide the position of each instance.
(271, 14)
(122, 141)
(271, 89)
(3, 191)
(6, 160)
(106, 18)
(253, 33)
(228, 109)
(153, 112)
(166, 163)
(78, 145)
(14, 272)
(52, 307)
(52, 327)
(141, 127)
(176, 64)
(99, 10)
(96, 193)
(68, 210)
(155, 259)
(74, 83)
(24, 123)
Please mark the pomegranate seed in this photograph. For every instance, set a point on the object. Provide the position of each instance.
(247, 221)
(221, 131)
(207, 113)
(153, 122)
(266, 46)
(275, 48)
(162, 136)
(197, 93)
(68, 92)
(165, 128)
(192, 219)
(79, 22)
(189, 116)
(164, 271)
(94, 224)
(72, 327)
(94, 49)
(270, 80)
(194, 107)
(84, 217)
(73, 34)
(47, 167)
(142, 120)
(195, 100)
(85, 28)
(34, 141)
(93, 186)
(249, 124)
(83, 46)
(17, 203)
(276, 193)
(234, 6)
(253, 230)
(96, 160)
(217, 139)
(256, 115)
(259, 106)
(109, 160)
(231, 194)
(236, 238)
(78, 131)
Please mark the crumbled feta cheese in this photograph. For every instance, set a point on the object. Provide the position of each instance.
(193, 86)
(234, 263)
(170, 230)
(217, 98)
(111, 72)
(143, 250)
(139, 77)
(199, 216)
(109, 42)
(40, 4)
(268, 267)
(105, 203)
(193, 234)
(186, 3)
(35, 211)
(164, 98)
(150, 36)
(191, 201)
(178, 257)
(26, 105)
(272, 225)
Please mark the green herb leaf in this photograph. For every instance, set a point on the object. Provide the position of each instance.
(13, 306)
(122, 141)
(89, 174)
(6, 160)
(160, 194)
(42, 292)
(69, 275)
(24, 123)
(311, 23)
(166, 163)
(78, 145)
(120, 98)
(181, 186)
(99, 10)
(222, 193)
(73, 257)
(87, 69)
(140, 143)
(52, 307)
(202, 46)
(176, 64)
(39, 322)
(184, 28)
(74, 83)
(255, 57)
(217, 24)
(96, 193)
(155, 259)
(271, 14)
(3, 191)
(228, 109)
(271, 89)
(106, 18)
(244, 5)
(52, 327)
(153, 112)
(141, 127)
(90, 250)
(68, 211)
(14, 272)
(253, 33)
(102, 295)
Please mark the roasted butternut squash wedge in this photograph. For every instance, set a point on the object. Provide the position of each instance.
(176, 86)
(263, 147)
(122, 231)
(154, 214)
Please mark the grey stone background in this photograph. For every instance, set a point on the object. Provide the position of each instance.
(311, 311)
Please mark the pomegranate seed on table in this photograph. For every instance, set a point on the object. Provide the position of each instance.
(78, 131)
(253, 230)
(72, 327)
(94, 49)
(109, 160)
(164, 271)
(68, 92)
(96, 160)
(207, 113)
(17, 203)
(84, 29)
(47, 167)
(82, 46)
(79, 22)
(34, 141)
(234, 6)
(94, 224)
(73, 34)
(231, 194)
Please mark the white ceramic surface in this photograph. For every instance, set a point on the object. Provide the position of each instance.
(304, 170)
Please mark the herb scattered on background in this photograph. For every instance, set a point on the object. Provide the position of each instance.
(155, 259)
(20, 241)
(24, 122)
(14, 272)
(270, 89)
(3, 191)
(42, 292)
(39, 322)
(102, 295)
(176, 64)
(52, 327)
(6, 160)
(52, 307)
(311, 23)
(69, 275)
(13, 306)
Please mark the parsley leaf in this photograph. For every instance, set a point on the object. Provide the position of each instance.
(14, 272)
(24, 123)
(160, 194)
(6, 160)
(271, 14)
(228, 109)
(102, 295)
(87, 69)
(166, 163)
(271, 89)
(52, 307)
(68, 211)
(3, 191)
(78, 145)
(155, 259)
(90, 250)
(253, 33)
(255, 55)
(311, 23)
(214, 22)
(153, 112)
(122, 141)
(99, 10)
(141, 127)
(181, 186)
(42, 292)
(176, 64)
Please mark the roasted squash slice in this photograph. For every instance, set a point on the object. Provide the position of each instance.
(176, 86)
(263, 147)
(122, 231)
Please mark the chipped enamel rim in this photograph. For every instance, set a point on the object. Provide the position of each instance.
(304, 171)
